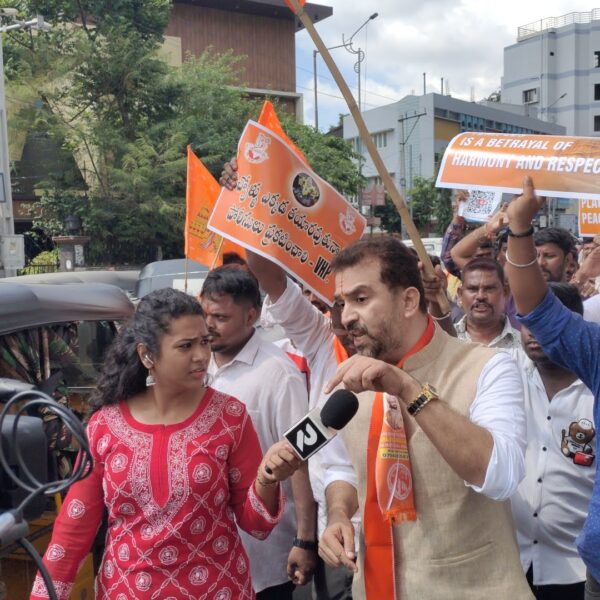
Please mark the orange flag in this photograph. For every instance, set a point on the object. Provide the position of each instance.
(268, 118)
(201, 194)
(291, 6)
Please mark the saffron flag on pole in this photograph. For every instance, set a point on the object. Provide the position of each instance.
(269, 119)
(202, 191)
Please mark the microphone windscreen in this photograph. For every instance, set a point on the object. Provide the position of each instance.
(339, 408)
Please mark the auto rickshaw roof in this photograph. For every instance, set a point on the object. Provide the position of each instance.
(23, 306)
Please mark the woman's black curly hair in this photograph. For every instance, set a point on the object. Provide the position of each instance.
(123, 375)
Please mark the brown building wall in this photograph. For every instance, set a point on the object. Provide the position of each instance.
(267, 42)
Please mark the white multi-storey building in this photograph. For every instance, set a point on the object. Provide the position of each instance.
(412, 134)
(554, 70)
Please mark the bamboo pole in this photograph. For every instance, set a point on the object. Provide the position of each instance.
(388, 182)
(214, 262)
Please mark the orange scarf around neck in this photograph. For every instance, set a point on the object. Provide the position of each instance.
(385, 504)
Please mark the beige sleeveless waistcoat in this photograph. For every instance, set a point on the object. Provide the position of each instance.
(462, 545)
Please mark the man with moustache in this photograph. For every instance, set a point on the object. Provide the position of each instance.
(551, 503)
(483, 295)
(554, 246)
(261, 376)
(461, 458)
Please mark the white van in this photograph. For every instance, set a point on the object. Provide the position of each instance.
(433, 245)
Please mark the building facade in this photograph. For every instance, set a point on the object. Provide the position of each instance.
(413, 133)
(554, 70)
(262, 31)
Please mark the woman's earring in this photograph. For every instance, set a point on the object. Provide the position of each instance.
(207, 380)
(150, 381)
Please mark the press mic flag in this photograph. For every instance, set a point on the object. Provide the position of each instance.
(321, 425)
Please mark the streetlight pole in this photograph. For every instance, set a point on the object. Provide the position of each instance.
(347, 44)
(547, 109)
(7, 224)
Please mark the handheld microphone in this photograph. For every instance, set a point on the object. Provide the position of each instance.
(321, 425)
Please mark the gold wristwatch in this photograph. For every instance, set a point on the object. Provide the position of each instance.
(427, 394)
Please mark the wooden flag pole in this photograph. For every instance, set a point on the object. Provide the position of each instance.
(185, 284)
(368, 141)
(217, 254)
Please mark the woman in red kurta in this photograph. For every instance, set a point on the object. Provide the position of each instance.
(175, 465)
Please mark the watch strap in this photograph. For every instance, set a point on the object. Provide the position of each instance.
(304, 544)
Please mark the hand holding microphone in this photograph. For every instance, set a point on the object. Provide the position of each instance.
(278, 463)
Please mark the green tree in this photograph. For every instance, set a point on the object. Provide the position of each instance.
(442, 210)
(102, 93)
(390, 219)
(422, 197)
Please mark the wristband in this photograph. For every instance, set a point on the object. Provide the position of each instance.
(305, 544)
(525, 234)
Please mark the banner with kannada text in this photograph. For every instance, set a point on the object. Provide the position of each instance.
(284, 211)
(560, 166)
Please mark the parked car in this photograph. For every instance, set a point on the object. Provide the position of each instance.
(171, 273)
(432, 245)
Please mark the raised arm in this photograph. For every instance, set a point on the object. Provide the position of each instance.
(527, 283)
(271, 277)
(454, 233)
(465, 250)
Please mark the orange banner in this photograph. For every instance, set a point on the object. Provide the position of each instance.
(285, 212)
(201, 194)
(560, 166)
(589, 217)
(268, 117)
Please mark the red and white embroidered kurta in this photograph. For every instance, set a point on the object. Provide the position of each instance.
(173, 495)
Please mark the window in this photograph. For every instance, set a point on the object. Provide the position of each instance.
(596, 122)
(530, 96)
(596, 59)
(380, 139)
(597, 91)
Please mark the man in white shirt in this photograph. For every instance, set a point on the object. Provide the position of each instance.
(317, 336)
(551, 503)
(268, 383)
(483, 296)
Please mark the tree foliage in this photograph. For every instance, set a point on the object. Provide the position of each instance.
(428, 204)
(96, 84)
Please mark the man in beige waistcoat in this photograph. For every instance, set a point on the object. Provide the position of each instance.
(436, 520)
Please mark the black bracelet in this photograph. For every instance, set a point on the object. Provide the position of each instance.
(521, 235)
(304, 544)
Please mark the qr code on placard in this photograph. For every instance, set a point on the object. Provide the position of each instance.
(480, 205)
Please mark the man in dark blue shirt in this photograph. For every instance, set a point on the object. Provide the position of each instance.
(565, 337)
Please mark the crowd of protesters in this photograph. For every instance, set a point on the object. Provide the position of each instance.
(467, 473)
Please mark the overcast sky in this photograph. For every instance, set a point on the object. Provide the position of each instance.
(461, 41)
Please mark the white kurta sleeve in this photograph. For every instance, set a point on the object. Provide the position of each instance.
(498, 407)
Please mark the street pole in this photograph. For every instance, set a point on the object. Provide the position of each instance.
(347, 44)
(403, 143)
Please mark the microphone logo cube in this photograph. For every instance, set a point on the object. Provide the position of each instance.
(306, 438)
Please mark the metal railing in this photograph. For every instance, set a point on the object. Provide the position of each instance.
(39, 269)
(533, 29)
